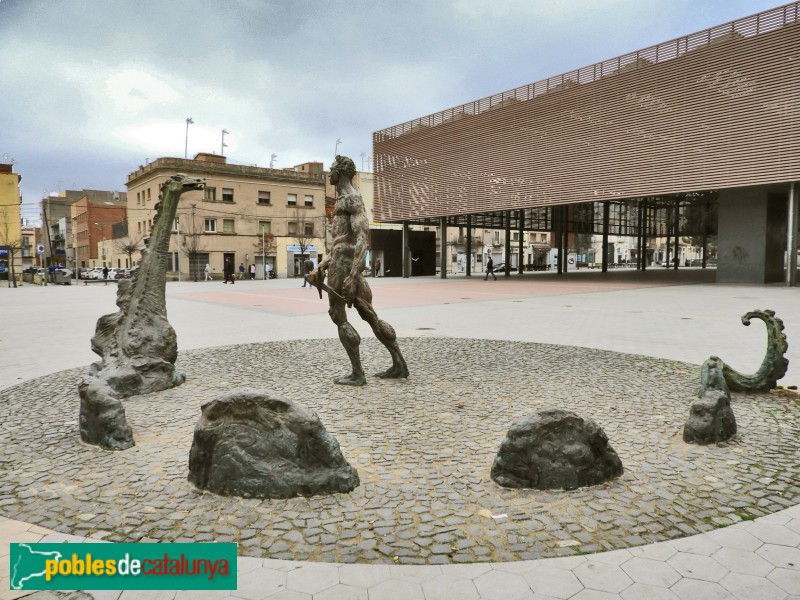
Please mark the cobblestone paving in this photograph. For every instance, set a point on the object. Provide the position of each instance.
(423, 449)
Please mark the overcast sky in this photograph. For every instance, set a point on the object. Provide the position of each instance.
(91, 89)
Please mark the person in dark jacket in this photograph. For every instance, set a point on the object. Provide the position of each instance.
(308, 266)
(490, 269)
(228, 271)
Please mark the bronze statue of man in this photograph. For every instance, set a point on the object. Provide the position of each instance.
(344, 266)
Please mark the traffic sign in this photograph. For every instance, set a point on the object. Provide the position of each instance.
(40, 248)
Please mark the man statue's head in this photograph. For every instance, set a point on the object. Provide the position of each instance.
(342, 166)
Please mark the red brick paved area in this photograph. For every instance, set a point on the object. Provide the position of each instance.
(397, 293)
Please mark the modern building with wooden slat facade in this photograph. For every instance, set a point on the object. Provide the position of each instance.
(709, 118)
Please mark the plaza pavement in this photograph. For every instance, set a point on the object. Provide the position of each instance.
(663, 314)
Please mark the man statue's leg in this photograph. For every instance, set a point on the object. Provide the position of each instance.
(385, 334)
(350, 340)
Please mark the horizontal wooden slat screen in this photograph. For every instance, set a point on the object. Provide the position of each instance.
(711, 110)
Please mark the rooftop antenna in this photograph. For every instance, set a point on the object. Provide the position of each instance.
(223, 145)
(189, 121)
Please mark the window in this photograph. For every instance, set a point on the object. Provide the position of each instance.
(138, 197)
(263, 197)
(227, 226)
(148, 193)
(496, 238)
(211, 225)
(176, 225)
(309, 200)
(139, 227)
(515, 236)
(292, 228)
(292, 200)
(227, 194)
(210, 194)
(309, 229)
(264, 227)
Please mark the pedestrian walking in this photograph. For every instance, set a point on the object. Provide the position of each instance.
(490, 269)
(267, 270)
(241, 270)
(105, 272)
(308, 266)
(207, 271)
(228, 271)
(377, 272)
(252, 272)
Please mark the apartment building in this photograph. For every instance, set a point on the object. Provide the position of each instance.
(92, 217)
(30, 239)
(10, 256)
(247, 214)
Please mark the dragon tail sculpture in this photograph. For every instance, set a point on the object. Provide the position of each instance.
(774, 365)
(715, 374)
(137, 344)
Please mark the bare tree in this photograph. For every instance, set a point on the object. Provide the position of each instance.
(129, 245)
(304, 231)
(12, 244)
(193, 245)
(265, 244)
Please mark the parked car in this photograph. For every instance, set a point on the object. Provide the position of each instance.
(95, 273)
(501, 268)
(112, 274)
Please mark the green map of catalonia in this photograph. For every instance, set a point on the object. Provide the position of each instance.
(29, 564)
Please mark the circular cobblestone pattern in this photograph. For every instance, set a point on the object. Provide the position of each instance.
(423, 448)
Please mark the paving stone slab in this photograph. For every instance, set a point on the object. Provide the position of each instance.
(423, 448)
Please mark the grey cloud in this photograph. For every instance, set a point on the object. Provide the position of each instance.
(288, 76)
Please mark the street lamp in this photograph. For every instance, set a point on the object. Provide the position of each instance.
(224, 145)
(336, 151)
(186, 147)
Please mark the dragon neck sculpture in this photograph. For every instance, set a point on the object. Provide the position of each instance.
(716, 375)
(137, 344)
